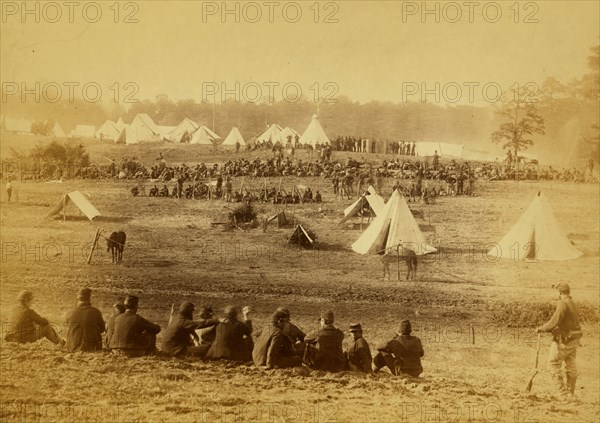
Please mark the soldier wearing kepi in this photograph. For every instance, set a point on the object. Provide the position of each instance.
(86, 325)
(401, 354)
(133, 335)
(324, 348)
(359, 355)
(566, 331)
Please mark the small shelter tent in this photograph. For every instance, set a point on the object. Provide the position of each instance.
(314, 133)
(233, 137)
(394, 226)
(280, 218)
(302, 237)
(369, 199)
(536, 236)
(77, 198)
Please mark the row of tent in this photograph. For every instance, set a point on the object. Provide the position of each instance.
(535, 236)
(537, 232)
(143, 129)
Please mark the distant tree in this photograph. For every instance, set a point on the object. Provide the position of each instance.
(42, 127)
(521, 120)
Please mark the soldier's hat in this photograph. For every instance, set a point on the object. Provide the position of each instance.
(284, 310)
(355, 327)
(562, 287)
(327, 316)
(84, 294)
(131, 301)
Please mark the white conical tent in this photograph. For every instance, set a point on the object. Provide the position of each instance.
(272, 133)
(120, 124)
(536, 236)
(182, 131)
(375, 202)
(108, 131)
(233, 137)
(394, 226)
(314, 133)
(203, 135)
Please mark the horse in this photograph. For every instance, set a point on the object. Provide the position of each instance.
(410, 258)
(116, 243)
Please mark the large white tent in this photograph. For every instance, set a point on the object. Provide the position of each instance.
(536, 236)
(141, 129)
(108, 131)
(182, 131)
(314, 133)
(234, 137)
(203, 135)
(394, 226)
(272, 133)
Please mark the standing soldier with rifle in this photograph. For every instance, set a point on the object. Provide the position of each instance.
(566, 331)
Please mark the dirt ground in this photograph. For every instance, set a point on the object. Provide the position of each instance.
(174, 254)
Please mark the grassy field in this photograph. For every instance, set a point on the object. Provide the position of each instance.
(174, 254)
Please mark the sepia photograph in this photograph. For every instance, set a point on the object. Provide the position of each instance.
(312, 211)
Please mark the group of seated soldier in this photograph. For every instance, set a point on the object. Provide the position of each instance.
(280, 344)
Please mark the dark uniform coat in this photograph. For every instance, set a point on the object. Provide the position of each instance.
(359, 356)
(21, 325)
(329, 354)
(178, 335)
(274, 349)
(407, 352)
(132, 332)
(232, 341)
(86, 326)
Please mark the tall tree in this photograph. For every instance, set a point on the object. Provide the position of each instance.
(521, 120)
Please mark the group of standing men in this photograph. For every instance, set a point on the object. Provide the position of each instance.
(280, 344)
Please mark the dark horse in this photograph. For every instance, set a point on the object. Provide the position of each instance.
(116, 244)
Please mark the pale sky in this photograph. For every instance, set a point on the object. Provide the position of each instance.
(368, 54)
